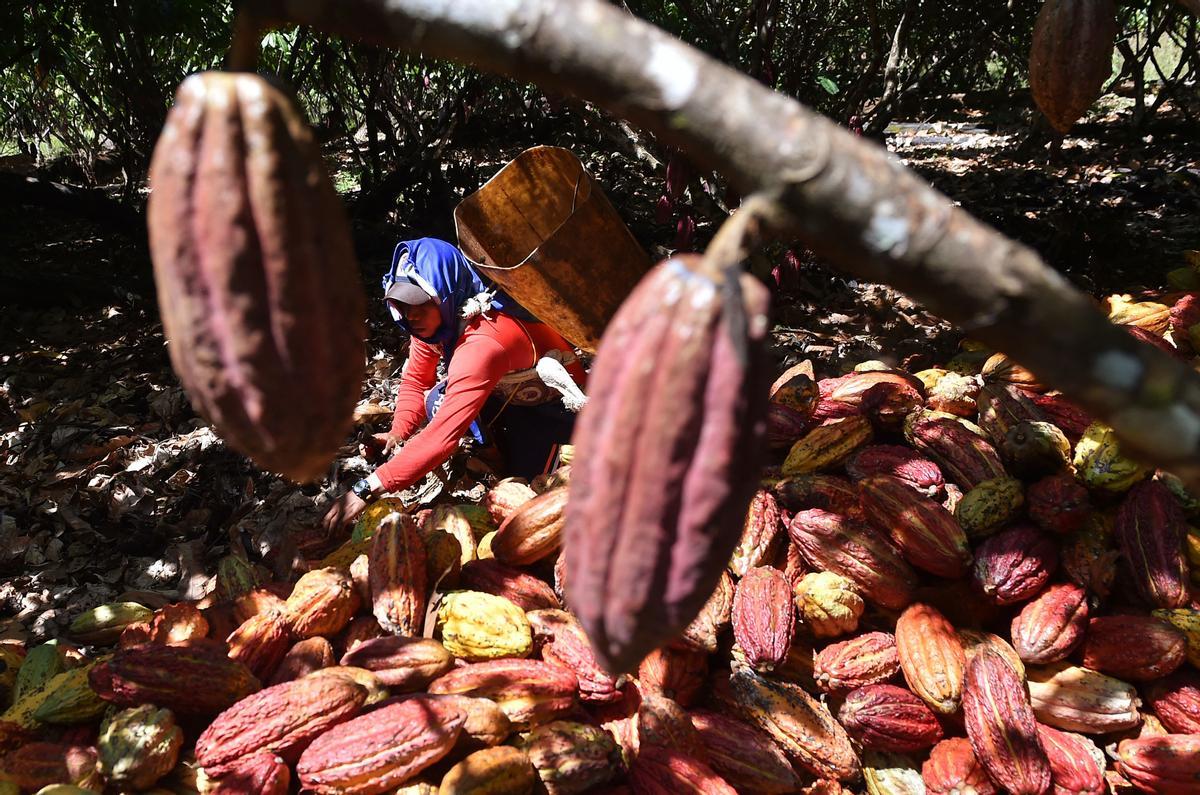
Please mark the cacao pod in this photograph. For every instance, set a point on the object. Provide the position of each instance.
(1071, 57)
(685, 433)
(139, 746)
(1001, 726)
(375, 752)
(257, 285)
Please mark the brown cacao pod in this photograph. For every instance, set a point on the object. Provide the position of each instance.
(952, 769)
(664, 771)
(1133, 648)
(35, 765)
(322, 603)
(1003, 406)
(763, 617)
(256, 774)
(375, 752)
(640, 567)
(1014, 565)
(661, 721)
(868, 659)
(852, 549)
(533, 531)
(282, 719)
(1074, 768)
(827, 492)
(926, 533)
(572, 757)
(360, 629)
(530, 692)
(1001, 726)
(196, 678)
(1081, 700)
(676, 673)
(762, 536)
(1071, 57)
(397, 576)
(519, 587)
(502, 770)
(563, 642)
(1149, 529)
(800, 724)
(1167, 765)
(257, 285)
(1000, 369)
(138, 746)
(931, 657)
(1089, 558)
(889, 718)
(739, 752)
(1176, 701)
(703, 633)
(1051, 626)
(304, 657)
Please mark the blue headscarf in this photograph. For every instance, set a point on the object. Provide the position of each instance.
(436, 264)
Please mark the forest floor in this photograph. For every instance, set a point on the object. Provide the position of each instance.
(109, 483)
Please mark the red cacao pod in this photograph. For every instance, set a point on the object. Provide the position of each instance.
(665, 456)
(257, 285)
(1001, 726)
(1149, 529)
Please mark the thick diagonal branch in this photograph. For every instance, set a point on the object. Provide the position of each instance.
(847, 198)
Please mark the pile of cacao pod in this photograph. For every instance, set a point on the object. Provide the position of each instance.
(950, 581)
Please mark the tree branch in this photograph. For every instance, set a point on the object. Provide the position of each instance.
(847, 198)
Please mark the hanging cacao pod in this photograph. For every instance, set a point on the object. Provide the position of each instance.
(667, 450)
(1071, 57)
(258, 288)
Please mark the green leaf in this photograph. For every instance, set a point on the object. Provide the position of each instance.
(830, 87)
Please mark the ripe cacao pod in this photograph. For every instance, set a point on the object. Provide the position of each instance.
(666, 456)
(1001, 726)
(1051, 626)
(258, 289)
(282, 719)
(1149, 529)
(868, 659)
(931, 656)
(952, 769)
(1071, 57)
(889, 718)
(373, 753)
(1166, 765)
(852, 549)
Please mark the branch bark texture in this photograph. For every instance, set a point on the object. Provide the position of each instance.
(847, 198)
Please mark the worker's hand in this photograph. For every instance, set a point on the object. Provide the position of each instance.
(343, 512)
(379, 446)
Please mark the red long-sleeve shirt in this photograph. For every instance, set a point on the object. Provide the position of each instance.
(489, 348)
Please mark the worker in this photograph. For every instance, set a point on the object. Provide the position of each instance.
(491, 348)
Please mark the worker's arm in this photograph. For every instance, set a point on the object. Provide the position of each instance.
(478, 365)
(417, 378)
